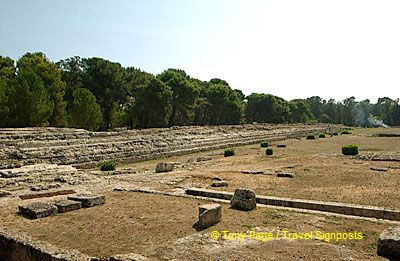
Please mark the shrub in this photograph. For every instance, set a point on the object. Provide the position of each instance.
(334, 134)
(350, 149)
(345, 132)
(264, 144)
(310, 137)
(269, 151)
(107, 166)
(321, 135)
(229, 152)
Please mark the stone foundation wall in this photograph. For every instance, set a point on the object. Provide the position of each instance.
(333, 207)
(83, 148)
(17, 247)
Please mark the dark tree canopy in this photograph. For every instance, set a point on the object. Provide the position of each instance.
(97, 94)
(50, 75)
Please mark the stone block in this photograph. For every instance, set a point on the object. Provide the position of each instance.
(4, 193)
(285, 175)
(389, 243)
(243, 199)
(88, 200)
(164, 167)
(67, 205)
(209, 214)
(221, 183)
(37, 210)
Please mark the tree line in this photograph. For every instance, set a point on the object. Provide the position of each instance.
(97, 94)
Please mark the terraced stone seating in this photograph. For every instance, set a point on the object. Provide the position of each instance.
(25, 146)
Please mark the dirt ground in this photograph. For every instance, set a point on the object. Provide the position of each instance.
(321, 171)
(160, 227)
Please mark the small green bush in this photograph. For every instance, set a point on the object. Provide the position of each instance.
(107, 166)
(264, 144)
(350, 149)
(321, 135)
(269, 151)
(229, 152)
(334, 134)
(310, 137)
(345, 132)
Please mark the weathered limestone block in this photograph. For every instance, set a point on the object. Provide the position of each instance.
(243, 199)
(285, 175)
(67, 205)
(164, 167)
(389, 243)
(37, 210)
(4, 193)
(221, 183)
(88, 200)
(209, 214)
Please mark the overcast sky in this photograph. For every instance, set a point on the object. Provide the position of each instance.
(293, 49)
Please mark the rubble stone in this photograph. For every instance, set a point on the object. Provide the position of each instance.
(243, 199)
(209, 214)
(164, 167)
(389, 243)
(221, 183)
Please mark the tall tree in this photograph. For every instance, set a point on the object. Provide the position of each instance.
(105, 80)
(50, 75)
(299, 111)
(7, 68)
(72, 75)
(184, 94)
(29, 102)
(225, 106)
(7, 74)
(152, 107)
(84, 111)
(266, 108)
(348, 110)
(315, 105)
(4, 109)
(384, 109)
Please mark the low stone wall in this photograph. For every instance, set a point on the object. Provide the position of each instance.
(17, 247)
(333, 207)
(82, 148)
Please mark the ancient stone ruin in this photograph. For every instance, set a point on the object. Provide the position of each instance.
(81, 148)
(389, 243)
(244, 199)
(209, 214)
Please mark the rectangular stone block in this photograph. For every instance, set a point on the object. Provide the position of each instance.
(209, 214)
(37, 210)
(88, 200)
(67, 205)
(389, 243)
(164, 167)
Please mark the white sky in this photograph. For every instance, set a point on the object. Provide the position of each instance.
(290, 48)
(303, 48)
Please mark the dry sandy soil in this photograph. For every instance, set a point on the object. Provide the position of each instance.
(321, 171)
(160, 227)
